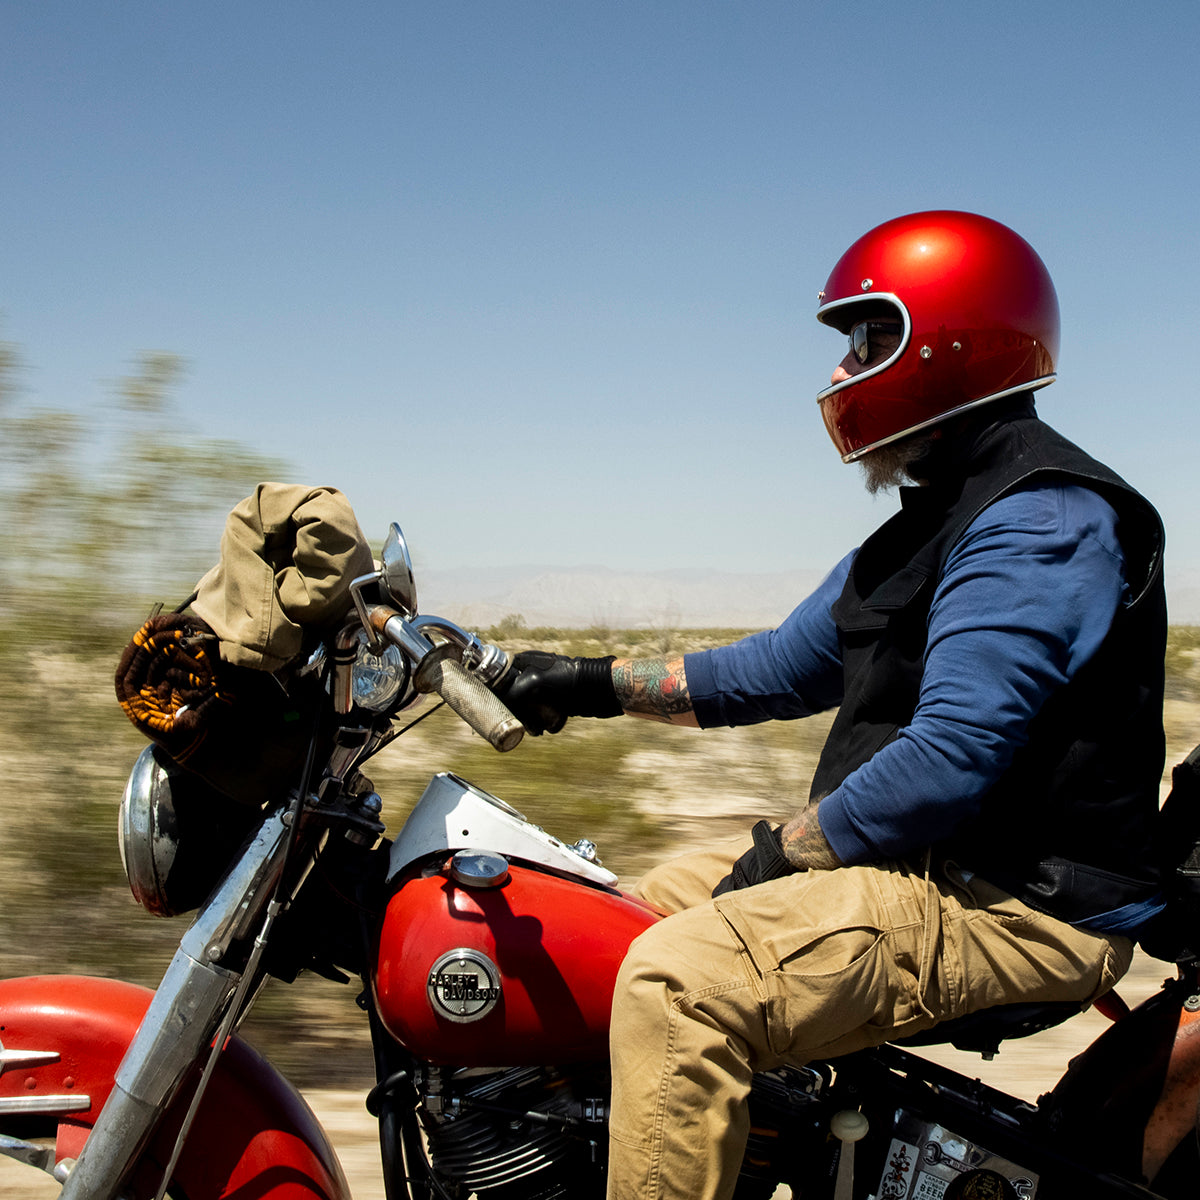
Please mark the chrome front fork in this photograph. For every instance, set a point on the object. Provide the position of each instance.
(178, 1028)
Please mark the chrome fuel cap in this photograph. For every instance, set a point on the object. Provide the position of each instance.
(479, 869)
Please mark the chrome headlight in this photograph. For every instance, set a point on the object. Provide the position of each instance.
(377, 680)
(176, 834)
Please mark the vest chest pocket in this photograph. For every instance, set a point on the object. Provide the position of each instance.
(897, 593)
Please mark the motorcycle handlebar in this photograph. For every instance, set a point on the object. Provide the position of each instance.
(472, 699)
(439, 671)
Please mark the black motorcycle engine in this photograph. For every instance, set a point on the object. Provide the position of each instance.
(531, 1133)
(534, 1133)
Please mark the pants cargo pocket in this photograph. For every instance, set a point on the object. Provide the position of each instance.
(847, 991)
(839, 953)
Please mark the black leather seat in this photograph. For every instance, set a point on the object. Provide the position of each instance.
(983, 1031)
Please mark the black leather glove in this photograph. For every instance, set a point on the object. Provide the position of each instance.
(764, 860)
(544, 689)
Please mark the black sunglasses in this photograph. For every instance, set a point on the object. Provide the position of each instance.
(874, 339)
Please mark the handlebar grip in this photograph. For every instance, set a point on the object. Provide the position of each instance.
(471, 698)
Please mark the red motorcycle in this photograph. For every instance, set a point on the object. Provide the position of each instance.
(488, 951)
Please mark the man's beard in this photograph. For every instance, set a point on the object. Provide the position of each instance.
(890, 466)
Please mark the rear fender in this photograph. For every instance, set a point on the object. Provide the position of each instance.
(1131, 1098)
(62, 1038)
(1177, 1111)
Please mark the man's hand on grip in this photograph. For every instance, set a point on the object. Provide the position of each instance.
(544, 689)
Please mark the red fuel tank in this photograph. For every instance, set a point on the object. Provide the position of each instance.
(522, 972)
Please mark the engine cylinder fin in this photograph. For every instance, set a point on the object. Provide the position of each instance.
(512, 1133)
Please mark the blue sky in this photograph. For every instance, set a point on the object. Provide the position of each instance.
(538, 279)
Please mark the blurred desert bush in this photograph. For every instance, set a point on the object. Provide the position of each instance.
(102, 514)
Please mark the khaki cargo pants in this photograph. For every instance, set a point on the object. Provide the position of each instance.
(810, 966)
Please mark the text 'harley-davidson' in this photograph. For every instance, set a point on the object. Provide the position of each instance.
(488, 951)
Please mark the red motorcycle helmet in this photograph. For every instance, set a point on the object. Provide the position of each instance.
(978, 316)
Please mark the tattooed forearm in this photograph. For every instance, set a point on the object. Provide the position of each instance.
(655, 688)
(804, 845)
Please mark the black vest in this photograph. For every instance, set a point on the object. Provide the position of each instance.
(1069, 826)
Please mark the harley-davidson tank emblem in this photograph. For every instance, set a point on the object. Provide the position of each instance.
(464, 985)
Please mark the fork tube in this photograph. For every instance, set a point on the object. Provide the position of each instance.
(175, 1032)
(179, 1025)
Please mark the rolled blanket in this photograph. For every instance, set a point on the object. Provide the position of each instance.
(167, 681)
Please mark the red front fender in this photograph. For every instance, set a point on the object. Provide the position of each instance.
(254, 1137)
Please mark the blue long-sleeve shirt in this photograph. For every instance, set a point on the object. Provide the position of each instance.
(1027, 596)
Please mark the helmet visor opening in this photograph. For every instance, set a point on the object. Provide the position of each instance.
(855, 317)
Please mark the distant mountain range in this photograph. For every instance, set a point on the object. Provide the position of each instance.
(584, 596)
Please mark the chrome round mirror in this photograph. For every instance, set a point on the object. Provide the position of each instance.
(397, 572)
